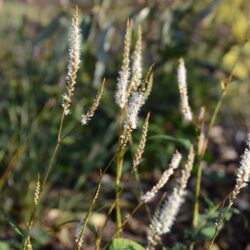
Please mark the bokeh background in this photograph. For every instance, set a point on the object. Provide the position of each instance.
(211, 35)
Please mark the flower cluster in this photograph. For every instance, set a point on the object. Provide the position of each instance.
(175, 162)
(182, 84)
(243, 174)
(164, 218)
(74, 62)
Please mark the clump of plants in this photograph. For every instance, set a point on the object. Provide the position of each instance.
(133, 89)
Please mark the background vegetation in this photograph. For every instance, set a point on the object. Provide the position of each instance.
(209, 34)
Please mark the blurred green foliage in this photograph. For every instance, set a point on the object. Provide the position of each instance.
(33, 53)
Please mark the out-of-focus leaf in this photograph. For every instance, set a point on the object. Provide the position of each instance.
(206, 232)
(244, 217)
(12, 223)
(178, 246)
(205, 12)
(51, 90)
(186, 143)
(209, 202)
(124, 244)
(61, 43)
(4, 245)
(92, 228)
(102, 47)
(50, 29)
(143, 14)
(86, 26)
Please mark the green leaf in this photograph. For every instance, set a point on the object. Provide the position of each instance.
(86, 26)
(92, 228)
(186, 143)
(124, 244)
(12, 223)
(206, 232)
(209, 202)
(178, 246)
(4, 245)
(50, 29)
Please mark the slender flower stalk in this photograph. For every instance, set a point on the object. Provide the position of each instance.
(74, 62)
(136, 101)
(130, 102)
(124, 134)
(141, 146)
(182, 84)
(202, 137)
(175, 162)
(37, 191)
(28, 245)
(149, 87)
(225, 87)
(137, 64)
(124, 74)
(243, 177)
(87, 117)
(137, 57)
(243, 174)
(80, 233)
(163, 220)
(201, 154)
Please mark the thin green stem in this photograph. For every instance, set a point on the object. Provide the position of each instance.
(196, 195)
(124, 223)
(79, 240)
(117, 184)
(99, 238)
(211, 124)
(201, 157)
(46, 174)
(137, 178)
(119, 165)
(113, 206)
(219, 224)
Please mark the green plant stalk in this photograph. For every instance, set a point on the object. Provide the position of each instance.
(201, 157)
(196, 196)
(124, 223)
(218, 226)
(46, 174)
(213, 119)
(137, 178)
(119, 165)
(99, 238)
(78, 243)
(101, 234)
(117, 188)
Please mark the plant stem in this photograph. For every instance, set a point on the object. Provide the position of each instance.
(124, 223)
(137, 178)
(46, 174)
(211, 124)
(112, 207)
(218, 226)
(117, 184)
(119, 164)
(196, 196)
(201, 157)
(79, 240)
